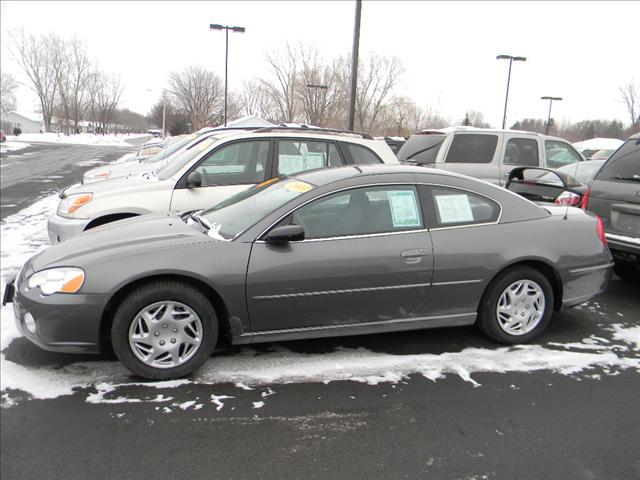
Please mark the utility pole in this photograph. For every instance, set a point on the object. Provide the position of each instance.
(354, 64)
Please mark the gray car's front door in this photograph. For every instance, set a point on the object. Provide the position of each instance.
(367, 257)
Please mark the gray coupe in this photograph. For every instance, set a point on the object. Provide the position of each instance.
(339, 251)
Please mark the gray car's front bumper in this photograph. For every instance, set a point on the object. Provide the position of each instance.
(61, 229)
(67, 323)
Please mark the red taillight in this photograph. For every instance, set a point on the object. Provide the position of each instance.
(600, 230)
(569, 199)
(585, 199)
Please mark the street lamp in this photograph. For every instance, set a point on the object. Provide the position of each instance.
(215, 26)
(551, 99)
(506, 98)
(354, 64)
(315, 100)
(164, 109)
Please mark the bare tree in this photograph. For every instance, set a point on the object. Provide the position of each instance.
(321, 88)
(108, 90)
(400, 117)
(8, 87)
(376, 80)
(60, 56)
(33, 55)
(630, 96)
(475, 119)
(80, 77)
(282, 89)
(197, 93)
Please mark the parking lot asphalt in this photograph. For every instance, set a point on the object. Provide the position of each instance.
(508, 421)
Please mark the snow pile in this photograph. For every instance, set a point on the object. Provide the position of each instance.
(12, 146)
(80, 139)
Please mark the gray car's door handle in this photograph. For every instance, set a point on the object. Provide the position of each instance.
(420, 252)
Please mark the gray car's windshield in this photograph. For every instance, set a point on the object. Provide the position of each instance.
(171, 149)
(185, 157)
(234, 215)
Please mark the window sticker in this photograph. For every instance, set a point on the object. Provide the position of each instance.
(300, 187)
(313, 161)
(289, 164)
(454, 208)
(404, 209)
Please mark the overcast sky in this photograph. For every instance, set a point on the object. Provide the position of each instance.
(581, 51)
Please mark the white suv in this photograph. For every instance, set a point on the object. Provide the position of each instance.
(211, 170)
(488, 154)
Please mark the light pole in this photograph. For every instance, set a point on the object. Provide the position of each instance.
(315, 100)
(215, 26)
(164, 109)
(506, 98)
(354, 64)
(551, 99)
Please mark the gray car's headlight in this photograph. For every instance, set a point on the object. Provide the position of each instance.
(57, 280)
(69, 204)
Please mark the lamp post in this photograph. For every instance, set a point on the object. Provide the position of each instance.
(551, 99)
(164, 109)
(215, 26)
(354, 64)
(315, 100)
(506, 98)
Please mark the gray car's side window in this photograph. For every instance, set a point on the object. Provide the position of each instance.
(235, 164)
(361, 211)
(454, 207)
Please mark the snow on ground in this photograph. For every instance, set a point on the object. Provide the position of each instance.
(12, 146)
(79, 139)
(24, 233)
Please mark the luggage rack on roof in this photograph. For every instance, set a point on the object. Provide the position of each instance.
(313, 129)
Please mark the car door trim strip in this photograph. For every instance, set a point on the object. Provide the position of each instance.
(338, 292)
(459, 282)
(590, 269)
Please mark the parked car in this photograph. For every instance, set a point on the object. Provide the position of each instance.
(337, 251)
(137, 164)
(3, 137)
(615, 196)
(602, 154)
(488, 154)
(563, 186)
(590, 147)
(395, 143)
(209, 171)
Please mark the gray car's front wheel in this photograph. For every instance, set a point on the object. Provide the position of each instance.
(164, 330)
(517, 306)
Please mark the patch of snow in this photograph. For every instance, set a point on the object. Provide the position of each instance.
(258, 404)
(630, 335)
(81, 139)
(218, 400)
(12, 146)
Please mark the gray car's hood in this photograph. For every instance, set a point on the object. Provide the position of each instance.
(119, 240)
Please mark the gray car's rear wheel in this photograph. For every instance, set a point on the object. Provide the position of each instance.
(164, 330)
(516, 306)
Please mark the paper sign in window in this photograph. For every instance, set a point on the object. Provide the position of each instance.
(289, 164)
(454, 208)
(404, 209)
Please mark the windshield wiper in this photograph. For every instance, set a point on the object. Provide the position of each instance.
(201, 221)
(633, 178)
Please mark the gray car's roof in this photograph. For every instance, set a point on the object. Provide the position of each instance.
(331, 175)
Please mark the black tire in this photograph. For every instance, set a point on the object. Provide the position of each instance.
(148, 294)
(627, 271)
(488, 318)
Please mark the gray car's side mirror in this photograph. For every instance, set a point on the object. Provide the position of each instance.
(194, 179)
(285, 233)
